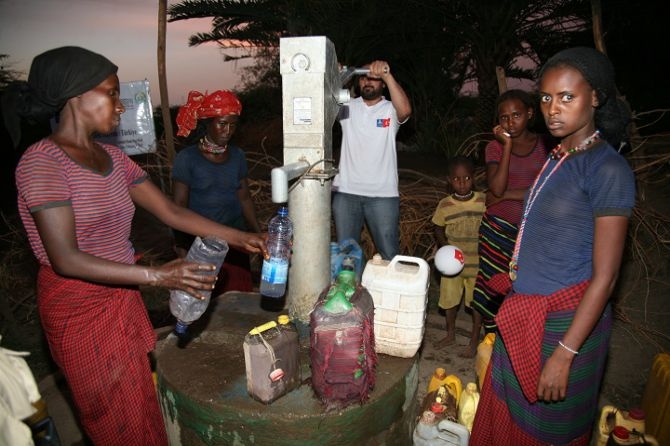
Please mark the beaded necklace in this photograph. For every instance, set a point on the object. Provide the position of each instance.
(555, 154)
(208, 146)
(464, 197)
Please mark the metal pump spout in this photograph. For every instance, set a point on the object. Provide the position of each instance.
(280, 177)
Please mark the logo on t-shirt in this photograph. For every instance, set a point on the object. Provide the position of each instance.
(383, 122)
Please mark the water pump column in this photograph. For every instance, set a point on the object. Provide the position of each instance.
(311, 90)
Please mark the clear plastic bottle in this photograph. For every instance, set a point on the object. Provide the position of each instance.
(184, 306)
(274, 273)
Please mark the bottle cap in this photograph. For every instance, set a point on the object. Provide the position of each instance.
(440, 373)
(347, 280)
(348, 264)
(180, 328)
(637, 413)
(283, 319)
(276, 375)
(283, 211)
(620, 432)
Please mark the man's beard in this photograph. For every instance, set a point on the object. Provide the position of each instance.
(370, 93)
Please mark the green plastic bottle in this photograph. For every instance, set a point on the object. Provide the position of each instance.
(340, 292)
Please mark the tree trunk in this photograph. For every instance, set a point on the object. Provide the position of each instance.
(596, 18)
(502, 80)
(162, 81)
(487, 85)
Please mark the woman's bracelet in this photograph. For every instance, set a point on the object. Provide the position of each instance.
(574, 352)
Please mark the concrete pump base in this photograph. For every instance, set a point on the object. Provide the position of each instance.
(203, 393)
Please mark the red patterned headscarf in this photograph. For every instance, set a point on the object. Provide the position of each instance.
(202, 106)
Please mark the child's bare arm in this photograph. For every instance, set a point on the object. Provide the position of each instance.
(440, 236)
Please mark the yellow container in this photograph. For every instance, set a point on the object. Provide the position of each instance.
(468, 406)
(656, 399)
(439, 377)
(484, 350)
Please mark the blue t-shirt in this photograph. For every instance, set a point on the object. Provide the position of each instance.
(213, 187)
(557, 245)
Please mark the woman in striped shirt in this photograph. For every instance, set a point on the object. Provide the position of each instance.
(76, 199)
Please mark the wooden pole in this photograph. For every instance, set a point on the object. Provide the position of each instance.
(596, 18)
(599, 41)
(162, 81)
(502, 80)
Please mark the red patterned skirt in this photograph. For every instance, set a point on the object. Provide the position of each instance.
(100, 337)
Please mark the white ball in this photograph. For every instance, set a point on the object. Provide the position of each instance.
(449, 260)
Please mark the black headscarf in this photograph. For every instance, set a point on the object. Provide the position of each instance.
(55, 76)
(612, 115)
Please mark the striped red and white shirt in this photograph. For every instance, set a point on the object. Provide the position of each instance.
(47, 177)
(522, 173)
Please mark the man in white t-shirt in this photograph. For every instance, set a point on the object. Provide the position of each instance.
(366, 187)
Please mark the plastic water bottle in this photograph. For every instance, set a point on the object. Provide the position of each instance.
(274, 273)
(184, 306)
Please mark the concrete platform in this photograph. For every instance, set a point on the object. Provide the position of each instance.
(203, 391)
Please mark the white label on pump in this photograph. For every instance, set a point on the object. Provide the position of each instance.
(302, 111)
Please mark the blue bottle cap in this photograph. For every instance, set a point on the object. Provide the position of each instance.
(180, 328)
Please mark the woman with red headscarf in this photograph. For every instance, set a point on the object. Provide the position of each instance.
(210, 178)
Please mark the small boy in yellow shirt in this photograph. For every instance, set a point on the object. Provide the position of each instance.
(457, 219)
